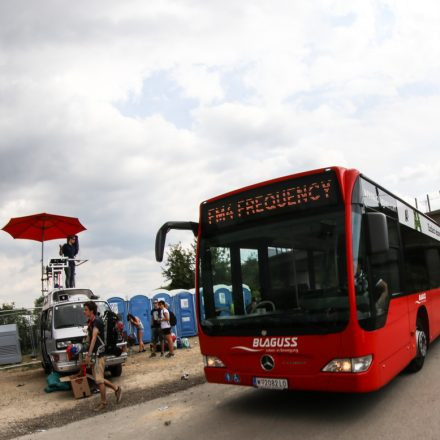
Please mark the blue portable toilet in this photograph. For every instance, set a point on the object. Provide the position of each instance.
(186, 316)
(247, 296)
(174, 304)
(165, 296)
(120, 307)
(140, 306)
(201, 303)
(222, 300)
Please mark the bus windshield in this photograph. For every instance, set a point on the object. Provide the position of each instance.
(284, 276)
(72, 315)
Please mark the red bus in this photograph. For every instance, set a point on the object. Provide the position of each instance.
(321, 280)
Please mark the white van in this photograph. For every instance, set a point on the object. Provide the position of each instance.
(63, 323)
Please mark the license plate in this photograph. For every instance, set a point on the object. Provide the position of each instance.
(270, 384)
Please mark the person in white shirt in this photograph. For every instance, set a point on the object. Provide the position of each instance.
(156, 332)
(166, 328)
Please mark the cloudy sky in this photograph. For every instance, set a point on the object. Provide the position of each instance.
(129, 114)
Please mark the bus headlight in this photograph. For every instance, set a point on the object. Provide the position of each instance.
(349, 365)
(213, 362)
(361, 364)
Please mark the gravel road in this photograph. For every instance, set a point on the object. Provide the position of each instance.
(25, 407)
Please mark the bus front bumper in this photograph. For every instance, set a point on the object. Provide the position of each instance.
(334, 382)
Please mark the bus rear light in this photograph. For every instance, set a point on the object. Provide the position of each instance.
(213, 362)
(349, 365)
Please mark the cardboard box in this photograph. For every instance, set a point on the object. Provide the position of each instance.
(79, 384)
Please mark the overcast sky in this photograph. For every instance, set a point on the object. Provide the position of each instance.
(128, 114)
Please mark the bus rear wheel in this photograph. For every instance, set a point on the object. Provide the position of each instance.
(422, 348)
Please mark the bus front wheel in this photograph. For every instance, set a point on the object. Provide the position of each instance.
(422, 348)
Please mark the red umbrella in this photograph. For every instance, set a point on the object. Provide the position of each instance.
(43, 227)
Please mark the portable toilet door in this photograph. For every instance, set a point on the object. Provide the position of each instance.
(163, 296)
(222, 300)
(140, 306)
(120, 307)
(187, 317)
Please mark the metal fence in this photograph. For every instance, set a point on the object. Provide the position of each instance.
(28, 323)
(428, 203)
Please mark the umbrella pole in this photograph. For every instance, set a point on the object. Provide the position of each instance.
(42, 267)
(42, 261)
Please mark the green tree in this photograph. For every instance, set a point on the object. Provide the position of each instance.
(220, 264)
(8, 313)
(250, 275)
(179, 267)
(38, 304)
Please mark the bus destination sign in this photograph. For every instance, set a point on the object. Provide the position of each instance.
(307, 192)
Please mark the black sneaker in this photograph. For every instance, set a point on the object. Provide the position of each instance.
(152, 355)
(161, 355)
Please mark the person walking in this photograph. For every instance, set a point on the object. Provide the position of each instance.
(96, 349)
(137, 324)
(166, 329)
(156, 332)
(70, 250)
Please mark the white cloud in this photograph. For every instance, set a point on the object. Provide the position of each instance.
(198, 82)
(259, 91)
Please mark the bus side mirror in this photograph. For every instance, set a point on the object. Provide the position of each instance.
(163, 231)
(377, 232)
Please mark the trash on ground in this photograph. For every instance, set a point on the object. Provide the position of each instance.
(80, 385)
(54, 383)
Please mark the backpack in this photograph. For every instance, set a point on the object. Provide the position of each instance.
(112, 333)
(173, 320)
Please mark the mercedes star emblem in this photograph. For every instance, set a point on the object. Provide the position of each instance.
(267, 362)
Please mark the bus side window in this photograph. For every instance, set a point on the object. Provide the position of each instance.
(385, 265)
(433, 262)
(416, 268)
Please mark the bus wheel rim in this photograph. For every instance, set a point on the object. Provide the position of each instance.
(422, 345)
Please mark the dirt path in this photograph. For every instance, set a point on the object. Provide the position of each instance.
(26, 408)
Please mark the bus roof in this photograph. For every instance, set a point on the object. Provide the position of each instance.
(338, 170)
